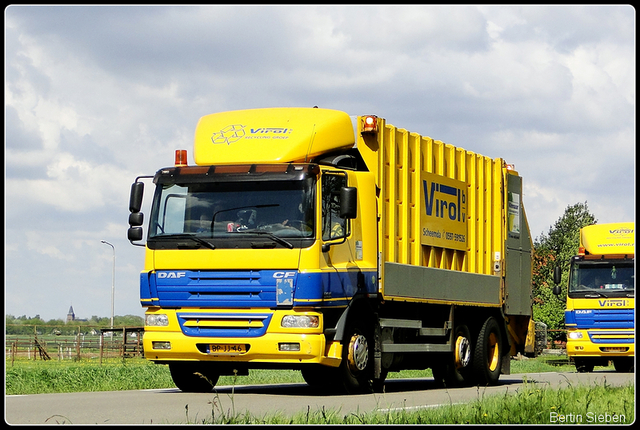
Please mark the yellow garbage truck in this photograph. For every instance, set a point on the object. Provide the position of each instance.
(600, 316)
(347, 248)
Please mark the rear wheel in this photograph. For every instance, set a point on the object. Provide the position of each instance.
(458, 371)
(487, 358)
(193, 377)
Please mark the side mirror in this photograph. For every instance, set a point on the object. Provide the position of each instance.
(348, 202)
(557, 275)
(136, 219)
(557, 279)
(134, 234)
(135, 200)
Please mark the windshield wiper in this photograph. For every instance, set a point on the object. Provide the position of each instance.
(192, 237)
(278, 239)
(592, 294)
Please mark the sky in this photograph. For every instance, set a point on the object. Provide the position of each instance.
(98, 95)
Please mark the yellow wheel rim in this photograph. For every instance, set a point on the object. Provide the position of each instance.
(494, 352)
(462, 352)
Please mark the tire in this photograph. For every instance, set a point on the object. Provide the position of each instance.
(487, 357)
(356, 369)
(193, 377)
(623, 364)
(320, 377)
(458, 371)
(584, 365)
(378, 384)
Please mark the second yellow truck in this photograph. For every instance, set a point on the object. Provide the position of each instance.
(345, 247)
(600, 313)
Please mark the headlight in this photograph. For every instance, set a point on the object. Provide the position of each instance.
(156, 320)
(161, 345)
(575, 335)
(300, 321)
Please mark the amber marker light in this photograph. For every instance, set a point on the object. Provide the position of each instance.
(181, 157)
(370, 124)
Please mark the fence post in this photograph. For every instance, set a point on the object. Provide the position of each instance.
(101, 345)
(35, 343)
(78, 345)
(124, 342)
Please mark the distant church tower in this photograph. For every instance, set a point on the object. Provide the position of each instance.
(71, 316)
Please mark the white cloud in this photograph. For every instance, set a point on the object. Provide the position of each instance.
(95, 96)
(72, 185)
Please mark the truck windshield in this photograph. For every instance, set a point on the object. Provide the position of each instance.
(233, 214)
(601, 279)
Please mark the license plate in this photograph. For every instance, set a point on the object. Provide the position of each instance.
(615, 349)
(227, 349)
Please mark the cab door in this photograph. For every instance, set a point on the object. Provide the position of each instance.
(337, 261)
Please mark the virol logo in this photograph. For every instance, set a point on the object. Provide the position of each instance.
(272, 133)
(444, 211)
(272, 130)
(621, 231)
(444, 201)
(614, 303)
(234, 132)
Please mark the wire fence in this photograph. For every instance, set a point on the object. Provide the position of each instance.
(126, 342)
(97, 344)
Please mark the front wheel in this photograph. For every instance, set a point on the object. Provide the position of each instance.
(193, 377)
(320, 377)
(584, 365)
(356, 368)
(487, 359)
(623, 364)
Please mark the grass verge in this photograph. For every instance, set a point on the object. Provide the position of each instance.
(35, 377)
(530, 404)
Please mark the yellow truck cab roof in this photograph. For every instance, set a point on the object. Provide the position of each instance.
(614, 238)
(274, 135)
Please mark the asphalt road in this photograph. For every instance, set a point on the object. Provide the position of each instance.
(171, 406)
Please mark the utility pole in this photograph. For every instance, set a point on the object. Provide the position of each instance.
(113, 277)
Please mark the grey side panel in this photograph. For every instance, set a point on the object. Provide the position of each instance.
(518, 254)
(418, 282)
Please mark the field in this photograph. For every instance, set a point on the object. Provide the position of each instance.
(34, 377)
(529, 405)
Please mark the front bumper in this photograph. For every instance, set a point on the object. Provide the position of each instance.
(600, 343)
(250, 340)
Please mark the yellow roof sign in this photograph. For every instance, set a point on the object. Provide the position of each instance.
(614, 238)
(274, 135)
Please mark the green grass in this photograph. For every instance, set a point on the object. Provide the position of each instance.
(34, 377)
(528, 404)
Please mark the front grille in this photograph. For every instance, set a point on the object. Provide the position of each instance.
(224, 324)
(611, 336)
(603, 318)
(229, 289)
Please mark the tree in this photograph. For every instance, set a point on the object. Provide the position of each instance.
(551, 250)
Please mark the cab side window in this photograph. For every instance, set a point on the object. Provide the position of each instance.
(333, 226)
